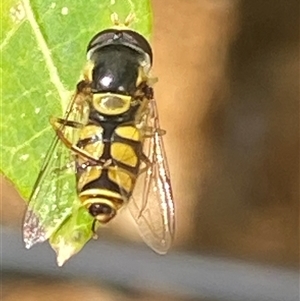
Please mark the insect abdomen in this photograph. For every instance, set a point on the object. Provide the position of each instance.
(119, 160)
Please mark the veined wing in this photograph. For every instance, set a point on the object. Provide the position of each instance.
(49, 203)
(152, 204)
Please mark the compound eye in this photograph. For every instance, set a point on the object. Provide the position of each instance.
(138, 40)
(100, 209)
(125, 37)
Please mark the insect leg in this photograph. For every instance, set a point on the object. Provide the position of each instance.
(147, 168)
(95, 236)
(147, 162)
(67, 166)
(68, 143)
(70, 123)
(151, 131)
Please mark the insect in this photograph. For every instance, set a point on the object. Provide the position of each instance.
(110, 145)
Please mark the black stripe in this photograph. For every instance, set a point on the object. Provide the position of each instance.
(132, 170)
(84, 142)
(103, 182)
(135, 144)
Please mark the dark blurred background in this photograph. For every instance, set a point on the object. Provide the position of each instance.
(228, 96)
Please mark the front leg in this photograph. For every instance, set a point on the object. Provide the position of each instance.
(57, 126)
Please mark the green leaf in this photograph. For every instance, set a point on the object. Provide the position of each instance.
(43, 47)
(72, 235)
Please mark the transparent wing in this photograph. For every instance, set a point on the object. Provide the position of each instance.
(55, 187)
(151, 204)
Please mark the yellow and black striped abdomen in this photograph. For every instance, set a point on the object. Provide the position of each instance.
(118, 150)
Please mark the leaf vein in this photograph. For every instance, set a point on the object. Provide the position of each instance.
(10, 35)
(14, 150)
(53, 73)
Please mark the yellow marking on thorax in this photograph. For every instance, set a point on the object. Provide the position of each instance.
(111, 103)
(142, 76)
(88, 71)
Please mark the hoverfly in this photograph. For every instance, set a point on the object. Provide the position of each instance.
(111, 145)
